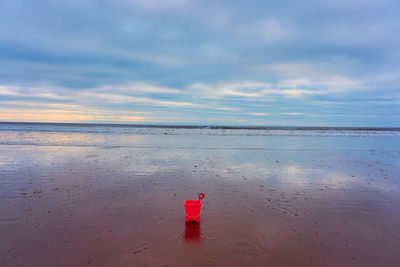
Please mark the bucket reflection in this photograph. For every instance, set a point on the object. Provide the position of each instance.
(192, 232)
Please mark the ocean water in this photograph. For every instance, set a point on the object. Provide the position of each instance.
(199, 137)
(141, 129)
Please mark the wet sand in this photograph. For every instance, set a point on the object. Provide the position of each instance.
(291, 202)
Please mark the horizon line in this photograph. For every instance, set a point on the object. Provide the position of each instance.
(206, 126)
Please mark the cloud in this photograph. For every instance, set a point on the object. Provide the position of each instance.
(293, 113)
(259, 114)
(56, 113)
(337, 83)
(94, 102)
(205, 61)
(255, 90)
(140, 87)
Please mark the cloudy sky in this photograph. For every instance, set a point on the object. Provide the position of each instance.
(316, 63)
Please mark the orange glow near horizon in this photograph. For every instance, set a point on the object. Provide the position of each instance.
(50, 115)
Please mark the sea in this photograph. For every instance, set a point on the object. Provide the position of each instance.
(199, 136)
(26, 133)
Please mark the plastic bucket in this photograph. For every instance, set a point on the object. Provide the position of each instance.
(193, 209)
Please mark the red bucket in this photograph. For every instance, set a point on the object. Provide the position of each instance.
(193, 209)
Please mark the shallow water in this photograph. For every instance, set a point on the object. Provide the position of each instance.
(116, 199)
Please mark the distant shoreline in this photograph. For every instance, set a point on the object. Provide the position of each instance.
(202, 126)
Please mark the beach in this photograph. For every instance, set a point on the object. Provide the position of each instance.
(113, 196)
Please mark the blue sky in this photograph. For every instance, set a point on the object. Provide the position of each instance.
(305, 63)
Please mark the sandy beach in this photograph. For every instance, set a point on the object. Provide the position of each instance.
(100, 199)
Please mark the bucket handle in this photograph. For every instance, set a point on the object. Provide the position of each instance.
(193, 217)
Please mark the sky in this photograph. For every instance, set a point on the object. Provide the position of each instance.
(287, 63)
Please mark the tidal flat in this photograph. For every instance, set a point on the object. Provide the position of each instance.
(116, 199)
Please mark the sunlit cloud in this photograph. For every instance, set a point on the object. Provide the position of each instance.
(292, 113)
(259, 114)
(51, 115)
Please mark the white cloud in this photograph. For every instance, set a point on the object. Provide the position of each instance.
(242, 98)
(110, 94)
(339, 83)
(10, 91)
(126, 99)
(319, 76)
(293, 113)
(254, 90)
(32, 91)
(137, 87)
(259, 114)
(293, 83)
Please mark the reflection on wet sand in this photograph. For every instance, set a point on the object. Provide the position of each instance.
(192, 232)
